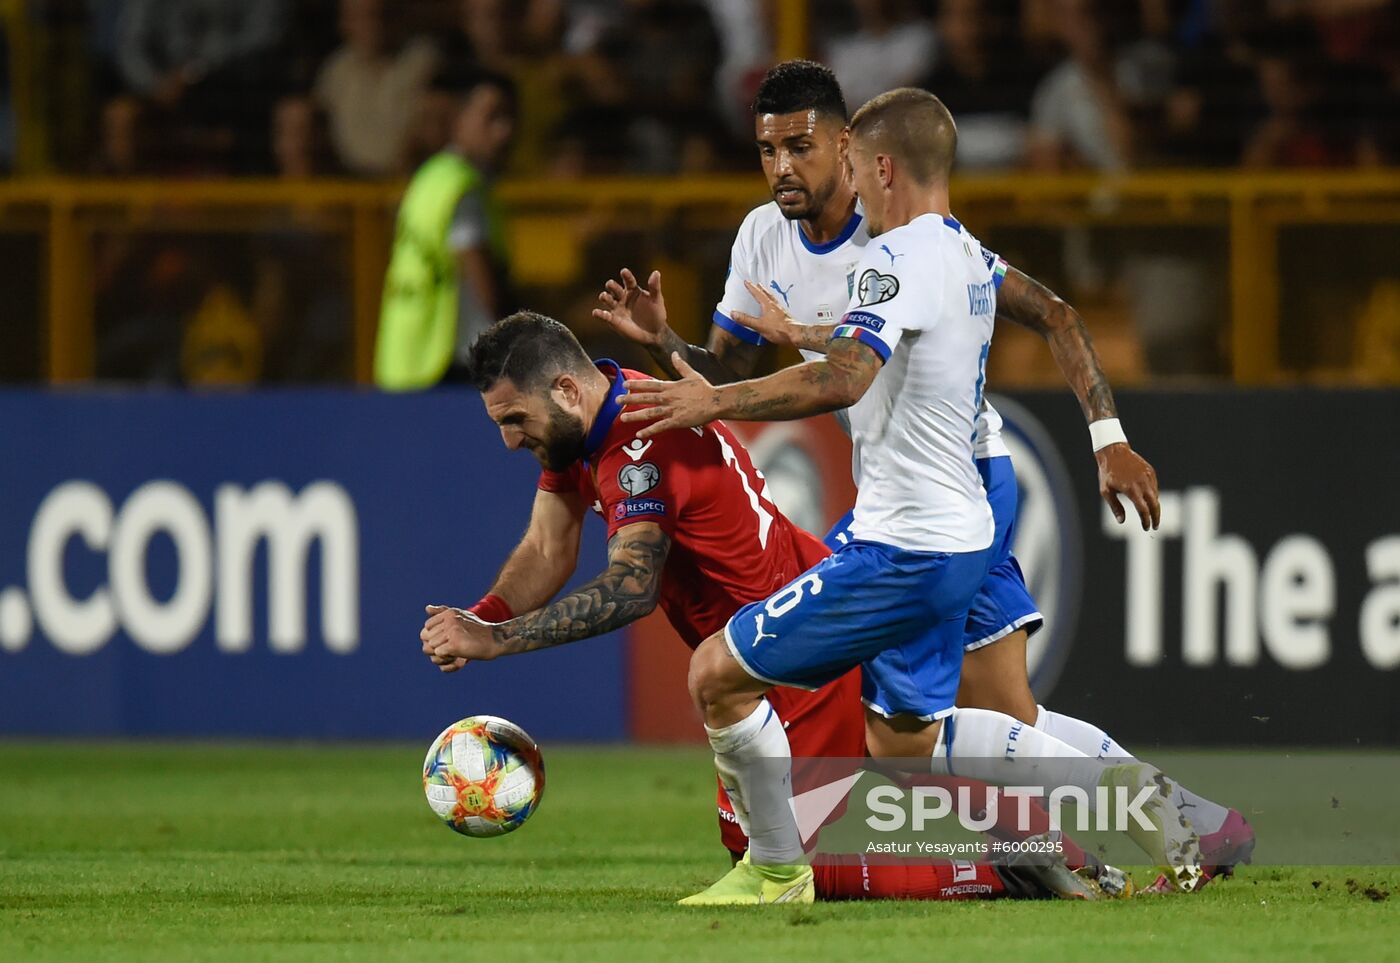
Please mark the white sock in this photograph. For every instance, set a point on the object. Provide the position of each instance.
(996, 748)
(1084, 736)
(754, 762)
(1205, 816)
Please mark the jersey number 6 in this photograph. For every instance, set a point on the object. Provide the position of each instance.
(785, 600)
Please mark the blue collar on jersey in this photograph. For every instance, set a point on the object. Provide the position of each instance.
(953, 223)
(836, 241)
(608, 413)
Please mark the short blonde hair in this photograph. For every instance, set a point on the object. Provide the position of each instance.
(914, 128)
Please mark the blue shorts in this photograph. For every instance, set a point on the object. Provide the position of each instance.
(898, 614)
(1003, 603)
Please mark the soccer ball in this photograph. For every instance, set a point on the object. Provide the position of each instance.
(483, 776)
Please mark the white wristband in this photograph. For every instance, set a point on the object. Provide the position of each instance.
(1106, 432)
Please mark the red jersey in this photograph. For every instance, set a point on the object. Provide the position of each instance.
(729, 543)
(729, 546)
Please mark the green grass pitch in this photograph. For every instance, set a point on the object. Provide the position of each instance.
(150, 852)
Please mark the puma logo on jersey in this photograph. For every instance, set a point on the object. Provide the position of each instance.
(636, 448)
(774, 286)
(886, 249)
(758, 624)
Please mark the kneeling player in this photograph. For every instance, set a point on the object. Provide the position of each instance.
(690, 528)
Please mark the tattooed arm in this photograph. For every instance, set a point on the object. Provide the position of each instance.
(639, 315)
(777, 326)
(782, 330)
(1122, 471)
(811, 388)
(626, 590)
(811, 337)
(1032, 305)
(725, 360)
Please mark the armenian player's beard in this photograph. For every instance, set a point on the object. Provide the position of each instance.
(565, 443)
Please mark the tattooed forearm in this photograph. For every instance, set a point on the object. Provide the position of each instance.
(812, 388)
(625, 592)
(697, 357)
(726, 360)
(1031, 304)
(749, 404)
(738, 359)
(1074, 353)
(813, 337)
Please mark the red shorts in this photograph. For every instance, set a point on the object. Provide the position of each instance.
(829, 722)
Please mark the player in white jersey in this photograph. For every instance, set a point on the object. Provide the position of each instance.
(801, 252)
(802, 249)
(908, 361)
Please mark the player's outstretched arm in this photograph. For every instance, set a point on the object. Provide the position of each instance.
(729, 359)
(626, 590)
(1122, 471)
(534, 572)
(639, 315)
(1032, 305)
(803, 390)
(776, 325)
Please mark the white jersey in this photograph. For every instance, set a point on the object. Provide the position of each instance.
(924, 300)
(815, 282)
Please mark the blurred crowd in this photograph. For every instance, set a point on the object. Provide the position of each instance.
(301, 88)
(365, 89)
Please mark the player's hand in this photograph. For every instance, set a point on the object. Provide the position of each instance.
(773, 322)
(1123, 471)
(446, 663)
(453, 637)
(687, 403)
(635, 312)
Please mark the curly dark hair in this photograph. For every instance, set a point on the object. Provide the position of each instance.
(529, 349)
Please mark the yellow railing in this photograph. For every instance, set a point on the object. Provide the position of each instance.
(552, 219)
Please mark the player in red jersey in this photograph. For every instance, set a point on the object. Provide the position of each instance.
(690, 528)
